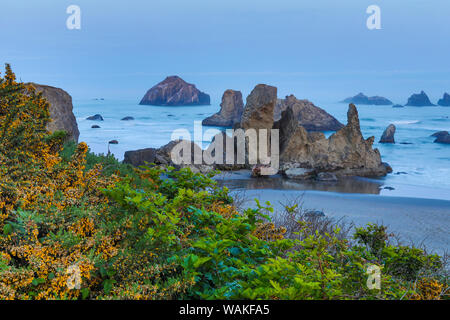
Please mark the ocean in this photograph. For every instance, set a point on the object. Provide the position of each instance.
(421, 167)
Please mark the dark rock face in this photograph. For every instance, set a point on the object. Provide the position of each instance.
(419, 100)
(309, 116)
(60, 110)
(442, 137)
(361, 98)
(397, 106)
(231, 110)
(96, 117)
(445, 101)
(345, 153)
(174, 91)
(140, 157)
(127, 118)
(388, 135)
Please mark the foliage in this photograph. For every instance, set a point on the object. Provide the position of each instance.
(74, 225)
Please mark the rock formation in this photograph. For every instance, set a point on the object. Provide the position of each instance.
(388, 135)
(419, 100)
(397, 106)
(128, 118)
(258, 112)
(445, 101)
(96, 117)
(309, 116)
(361, 98)
(230, 112)
(60, 111)
(174, 91)
(442, 137)
(344, 153)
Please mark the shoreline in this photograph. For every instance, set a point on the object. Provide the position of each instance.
(414, 220)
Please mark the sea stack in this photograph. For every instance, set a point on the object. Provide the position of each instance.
(361, 98)
(231, 110)
(388, 135)
(61, 110)
(419, 100)
(445, 101)
(174, 91)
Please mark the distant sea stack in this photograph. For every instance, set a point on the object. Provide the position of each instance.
(174, 91)
(388, 135)
(361, 98)
(61, 110)
(419, 100)
(230, 112)
(445, 101)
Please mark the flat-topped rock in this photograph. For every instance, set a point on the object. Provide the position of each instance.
(61, 110)
(361, 98)
(174, 91)
(309, 116)
(230, 113)
(419, 100)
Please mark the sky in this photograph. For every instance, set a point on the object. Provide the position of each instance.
(315, 49)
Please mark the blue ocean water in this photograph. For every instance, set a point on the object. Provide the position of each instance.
(421, 167)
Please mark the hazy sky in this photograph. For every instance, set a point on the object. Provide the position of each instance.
(317, 49)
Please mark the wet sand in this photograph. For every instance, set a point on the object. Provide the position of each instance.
(415, 220)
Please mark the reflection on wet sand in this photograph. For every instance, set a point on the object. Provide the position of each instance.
(242, 180)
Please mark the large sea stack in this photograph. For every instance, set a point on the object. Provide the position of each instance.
(419, 100)
(230, 112)
(361, 98)
(61, 110)
(309, 116)
(174, 91)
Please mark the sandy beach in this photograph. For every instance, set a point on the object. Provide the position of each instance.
(415, 220)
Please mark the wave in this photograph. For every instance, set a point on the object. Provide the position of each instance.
(400, 122)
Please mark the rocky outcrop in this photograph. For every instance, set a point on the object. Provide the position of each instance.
(61, 110)
(230, 113)
(140, 157)
(442, 137)
(309, 116)
(419, 100)
(128, 118)
(388, 135)
(345, 153)
(361, 98)
(258, 112)
(96, 117)
(445, 101)
(174, 91)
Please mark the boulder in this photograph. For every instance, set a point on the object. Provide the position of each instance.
(140, 157)
(61, 110)
(345, 153)
(388, 135)
(419, 100)
(174, 91)
(230, 112)
(442, 137)
(128, 118)
(96, 117)
(445, 101)
(326, 176)
(300, 173)
(361, 98)
(309, 116)
(95, 126)
(113, 142)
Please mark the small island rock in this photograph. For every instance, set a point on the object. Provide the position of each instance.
(388, 135)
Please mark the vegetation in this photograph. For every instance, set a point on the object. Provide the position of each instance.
(74, 225)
